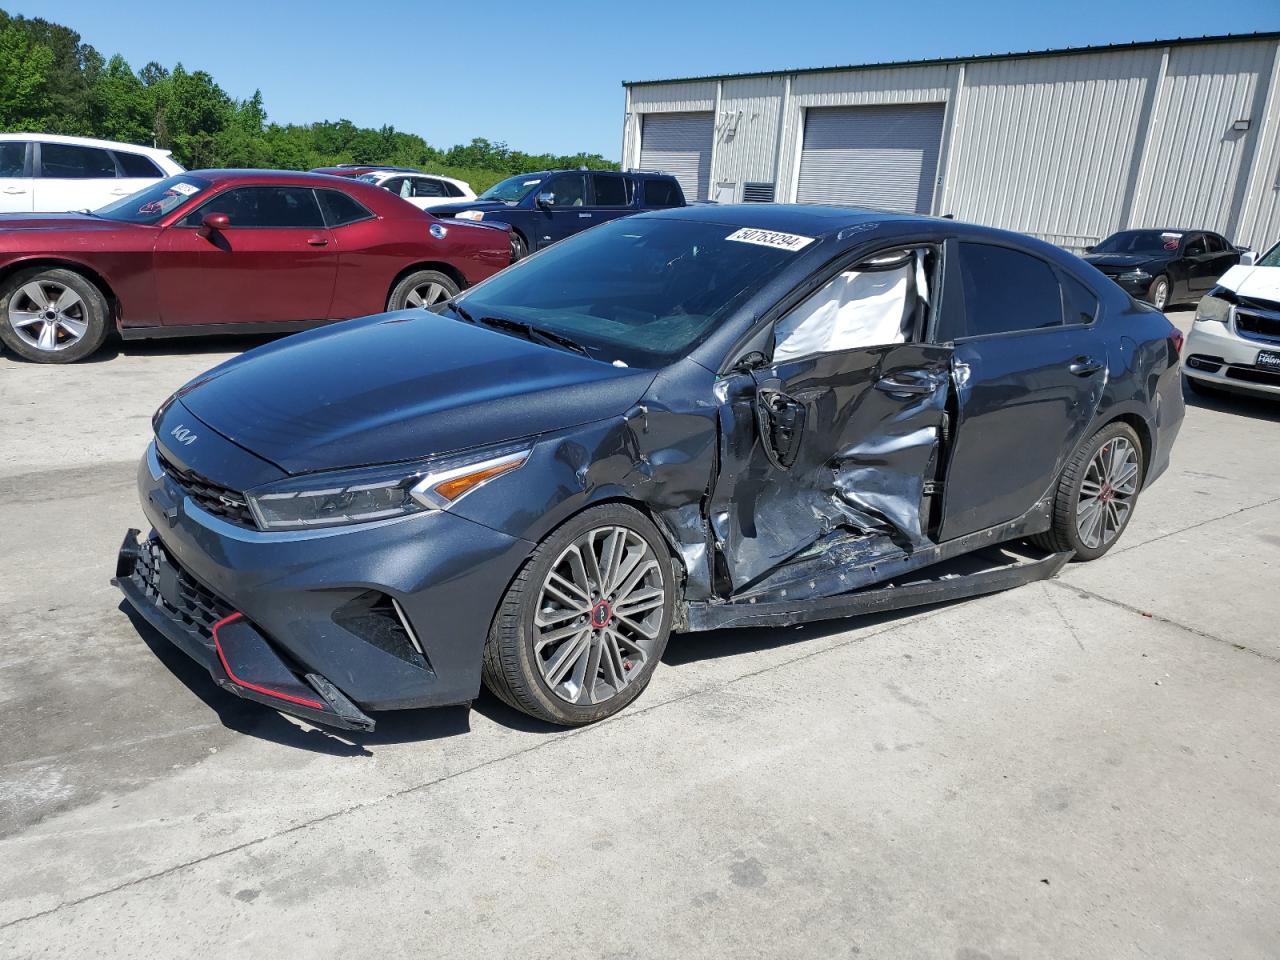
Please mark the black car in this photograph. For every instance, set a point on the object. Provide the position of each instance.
(553, 204)
(1164, 267)
(706, 417)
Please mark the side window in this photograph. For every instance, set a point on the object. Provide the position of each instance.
(1216, 243)
(451, 189)
(570, 190)
(279, 207)
(341, 209)
(661, 193)
(1196, 246)
(611, 189)
(64, 161)
(136, 165)
(396, 185)
(13, 158)
(426, 187)
(883, 299)
(1079, 303)
(1005, 291)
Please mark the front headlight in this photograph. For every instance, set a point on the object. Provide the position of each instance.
(1216, 306)
(470, 215)
(340, 497)
(1136, 276)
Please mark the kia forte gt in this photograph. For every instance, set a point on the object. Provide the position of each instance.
(684, 420)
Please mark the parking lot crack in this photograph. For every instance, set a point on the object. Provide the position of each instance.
(1159, 618)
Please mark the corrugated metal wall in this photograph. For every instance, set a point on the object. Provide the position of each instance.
(1066, 147)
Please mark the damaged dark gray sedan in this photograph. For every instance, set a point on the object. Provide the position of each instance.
(699, 418)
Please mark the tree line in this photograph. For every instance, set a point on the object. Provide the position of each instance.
(53, 82)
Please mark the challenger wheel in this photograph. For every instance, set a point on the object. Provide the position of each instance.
(585, 621)
(422, 288)
(52, 315)
(1097, 491)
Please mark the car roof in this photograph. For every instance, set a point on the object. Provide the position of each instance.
(87, 142)
(802, 218)
(271, 176)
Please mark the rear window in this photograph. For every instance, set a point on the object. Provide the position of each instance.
(611, 190)
(65, 161)
(1078, 301)
(13, 158)
(1005, 291)
(341, 209)
(662, 193)
(136, 165)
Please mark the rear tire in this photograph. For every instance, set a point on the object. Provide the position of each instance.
(584, 623)
(422, 289)
(1096, 494)
(53, 315)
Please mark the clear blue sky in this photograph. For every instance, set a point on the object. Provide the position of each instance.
(546, 76)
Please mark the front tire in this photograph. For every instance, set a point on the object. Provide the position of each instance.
(586, 620)
(1158, 292)
(519, 249)
(422, 289)
(1096, 494)
(52, 315)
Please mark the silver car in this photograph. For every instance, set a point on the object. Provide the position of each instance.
(1235, 341)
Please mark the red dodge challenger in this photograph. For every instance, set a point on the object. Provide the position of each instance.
(228, 251)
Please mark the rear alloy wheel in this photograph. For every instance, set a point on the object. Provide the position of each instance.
(584, 624)
(1158, 292)
(1096, 493)
(52, 315)
(422, 289)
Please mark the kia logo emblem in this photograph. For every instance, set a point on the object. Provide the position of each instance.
(182, 435)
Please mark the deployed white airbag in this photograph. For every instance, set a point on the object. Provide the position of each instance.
(856, 309)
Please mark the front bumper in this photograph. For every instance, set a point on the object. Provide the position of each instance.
(1216, 355)
(437, 575)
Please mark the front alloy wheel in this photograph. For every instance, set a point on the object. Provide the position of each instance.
(584, 623)
(599, 615)
(52, 315)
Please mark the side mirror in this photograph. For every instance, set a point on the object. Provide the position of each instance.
(545, 200)
(1248, 258)
(1089, 249)
(212, 222)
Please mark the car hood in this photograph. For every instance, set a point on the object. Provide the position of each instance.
(79, 222)
(1126, 261)
(453, 209)
(402, 386)
(1258, 283)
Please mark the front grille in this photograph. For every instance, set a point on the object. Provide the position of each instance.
(1258, 324)
(213, 497)
(190, 604)
(1254, 375)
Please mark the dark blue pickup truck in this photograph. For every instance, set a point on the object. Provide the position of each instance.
(553, 204)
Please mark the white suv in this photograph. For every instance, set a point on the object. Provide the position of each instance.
(1234, 343)
(423, 190)
(44, 173)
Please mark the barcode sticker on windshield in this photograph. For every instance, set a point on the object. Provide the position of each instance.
(186, 189)
(770, 238)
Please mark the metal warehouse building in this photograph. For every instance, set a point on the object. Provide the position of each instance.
(1067, 145)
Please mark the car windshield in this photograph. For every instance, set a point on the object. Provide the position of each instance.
(1140, 241)
(512, 189)
(640, 291)
(1271, 258)
(152, 203)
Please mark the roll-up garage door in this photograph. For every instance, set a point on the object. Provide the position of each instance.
(884, 156)
(679, 144)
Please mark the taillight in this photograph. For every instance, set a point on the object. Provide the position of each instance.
(1177, 340)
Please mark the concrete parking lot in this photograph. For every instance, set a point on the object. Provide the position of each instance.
(1088, 767)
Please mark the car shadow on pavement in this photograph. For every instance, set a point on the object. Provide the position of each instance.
(1238, 404)
(258, 720)
(162, 347)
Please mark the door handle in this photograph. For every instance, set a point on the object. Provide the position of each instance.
(318, 241)
(119, 193)
(899, 385)
(1084, 366)
(14, 190)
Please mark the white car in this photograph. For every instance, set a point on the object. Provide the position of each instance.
(1234, 343)
(423, 190)
(44, 173)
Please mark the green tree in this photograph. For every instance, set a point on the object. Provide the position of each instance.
(24, 80)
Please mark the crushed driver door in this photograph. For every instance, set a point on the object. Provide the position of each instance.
(835, 440)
